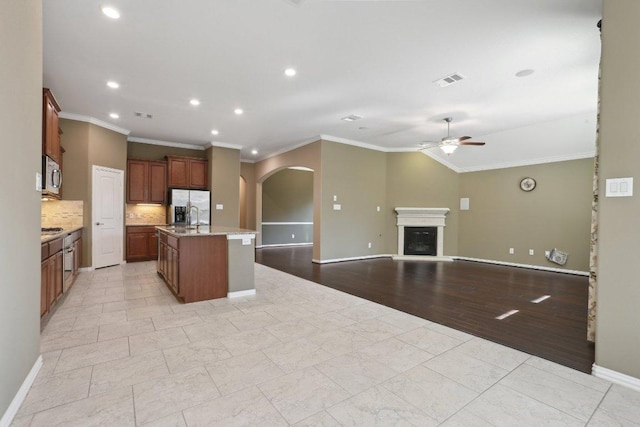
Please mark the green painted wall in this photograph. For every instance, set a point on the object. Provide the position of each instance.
(224, 175)
(287, 196)
(416, 180)
(556, 214)
(357, 177)
(21, 124)
(618, 292)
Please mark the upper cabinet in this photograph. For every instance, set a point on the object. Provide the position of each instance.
(187, 172)
(50, 128)
(146, 181)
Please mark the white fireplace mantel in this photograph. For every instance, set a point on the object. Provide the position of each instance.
(422, 217)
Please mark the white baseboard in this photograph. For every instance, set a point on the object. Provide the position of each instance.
(533, 267)
(278, 245)
(12, 410)
(616, 377)
(239, 294)
(421, 258)
(356, 258)
(85, 269)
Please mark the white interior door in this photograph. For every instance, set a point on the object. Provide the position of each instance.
(107, 220)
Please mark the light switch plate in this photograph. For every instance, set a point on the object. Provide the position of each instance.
(246, 241)
(337, 207)
(219, 207)
(619, 187)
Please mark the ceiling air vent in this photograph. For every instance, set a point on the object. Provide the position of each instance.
(449, 80)
(351, 118)
(144, 115)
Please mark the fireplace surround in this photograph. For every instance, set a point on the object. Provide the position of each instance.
(422, 219)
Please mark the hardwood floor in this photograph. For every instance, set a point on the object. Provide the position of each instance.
(465, 295)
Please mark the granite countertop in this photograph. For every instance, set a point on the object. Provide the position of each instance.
(154, 224)
(203, 230)
(44, 238)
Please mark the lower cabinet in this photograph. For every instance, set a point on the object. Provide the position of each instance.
(194, 268)
(142, 243)
(169, 262)
(52, 275)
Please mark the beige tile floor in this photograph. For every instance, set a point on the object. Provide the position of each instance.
(121, 351)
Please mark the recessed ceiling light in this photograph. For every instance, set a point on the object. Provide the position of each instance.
(214, 132)
(114, 115)
(113, 85)
(351, 118)
(238, 111)
(194, 102)
(524, 73)
(254, 152)
(290, 72)
(111, 12)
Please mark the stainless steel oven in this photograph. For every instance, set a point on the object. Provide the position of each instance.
(68, 250)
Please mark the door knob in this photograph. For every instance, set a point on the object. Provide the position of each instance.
(99, 223)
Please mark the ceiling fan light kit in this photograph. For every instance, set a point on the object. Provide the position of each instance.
(449, 144)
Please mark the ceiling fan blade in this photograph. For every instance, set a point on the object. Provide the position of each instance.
(472, 143)
(464, 138)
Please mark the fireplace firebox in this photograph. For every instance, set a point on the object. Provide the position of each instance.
(421, 241)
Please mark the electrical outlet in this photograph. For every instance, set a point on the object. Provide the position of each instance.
(546, 254)
(369, 245)
(293, 236)
(512, 251)
(530, 251)
(335, 198)
(378, 208)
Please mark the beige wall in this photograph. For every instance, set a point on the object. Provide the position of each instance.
(138, 150)
(556, 214)
(248, 172)
(224, 172)
(21, 124)
(618, 292)
(287, 196)
(357, 176)
(309, 156)
(87, 145)
(416, 180)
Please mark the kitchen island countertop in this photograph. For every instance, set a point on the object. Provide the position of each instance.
(203, 230)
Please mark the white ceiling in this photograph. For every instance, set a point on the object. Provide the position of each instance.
(376, 59)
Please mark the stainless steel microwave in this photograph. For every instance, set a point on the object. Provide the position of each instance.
(52, 175)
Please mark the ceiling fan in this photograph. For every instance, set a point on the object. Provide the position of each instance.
(449, 143)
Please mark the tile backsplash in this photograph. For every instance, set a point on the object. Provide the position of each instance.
(62, 213)
(141, 214)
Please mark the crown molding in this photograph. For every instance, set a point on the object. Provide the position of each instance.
(225, 145)
(286, 149)
(166, 143)
(352, 142)
(538, 161)
(441, 161)
(94, 121)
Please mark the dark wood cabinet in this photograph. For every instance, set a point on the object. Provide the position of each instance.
(146, 181)
(51, 274)
(142, 243)
(50, 126)
(44, 281)
(187, 172)
(158, 182)
(195, 268)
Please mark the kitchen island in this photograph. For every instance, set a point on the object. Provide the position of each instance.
(206, 262)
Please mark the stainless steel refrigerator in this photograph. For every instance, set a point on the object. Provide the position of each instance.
(180, 211)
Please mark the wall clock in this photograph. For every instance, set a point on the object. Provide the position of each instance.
(527, 184)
